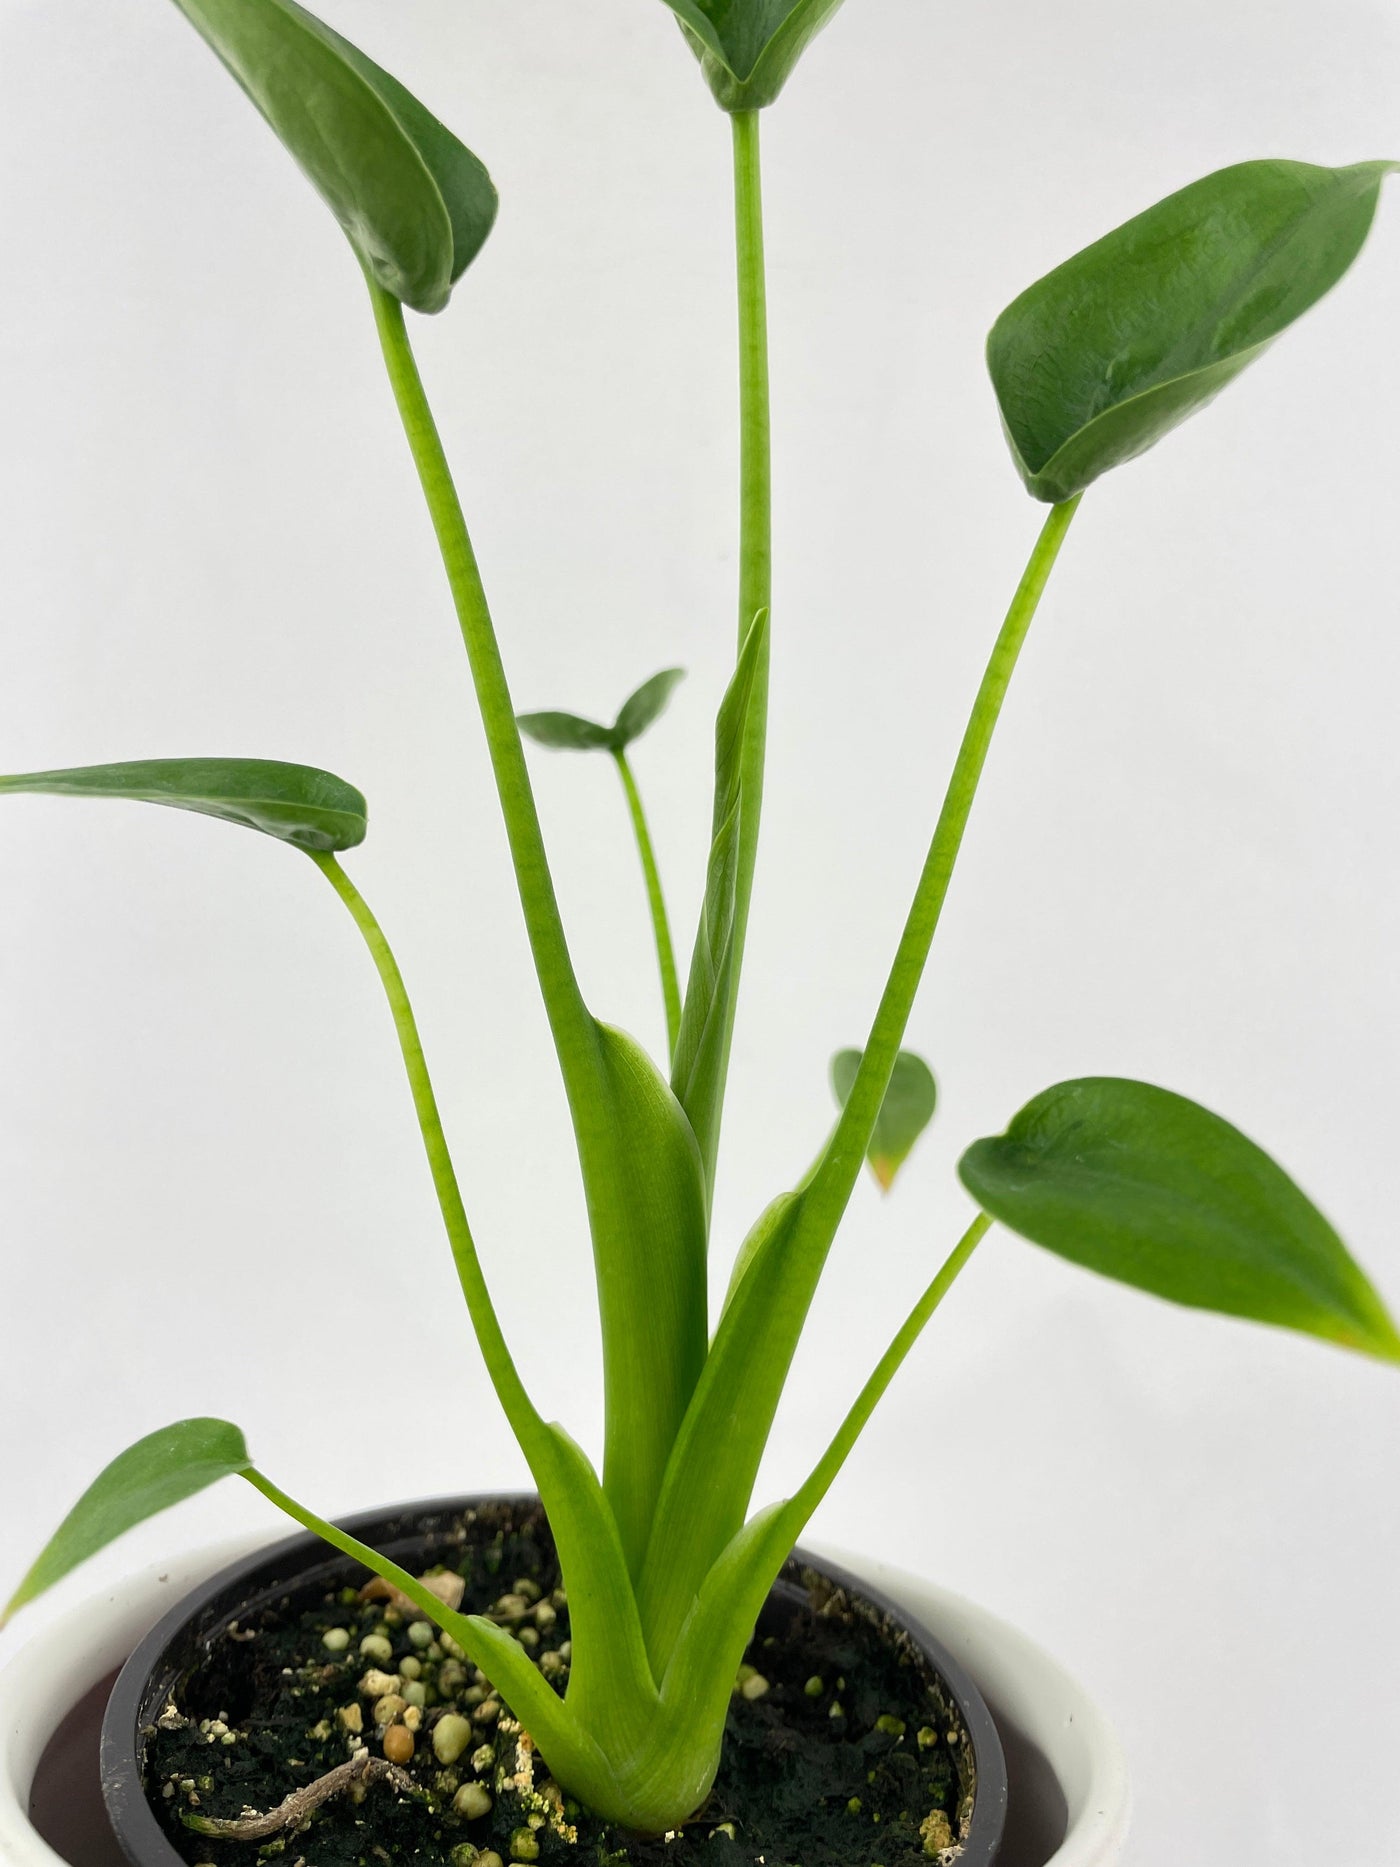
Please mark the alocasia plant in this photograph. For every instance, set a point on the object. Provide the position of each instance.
(665, 1567)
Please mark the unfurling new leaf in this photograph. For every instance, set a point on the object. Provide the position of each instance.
(697, 1071)
(298, 804)
(414, 203)
(1102, 357)
(748, 48)
(163, 1469)
(567, 732)
(1151, 1189)
(905, 1112)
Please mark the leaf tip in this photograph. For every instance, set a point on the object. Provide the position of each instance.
(1384, 1345)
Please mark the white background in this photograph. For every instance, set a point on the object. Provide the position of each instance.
(1182, 865)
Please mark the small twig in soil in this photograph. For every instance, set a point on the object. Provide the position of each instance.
(362, 1768)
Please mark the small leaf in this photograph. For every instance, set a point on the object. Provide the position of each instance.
(1149, 1188)
(569, 732)
(415, 203)
(297, 804)
(158, 1471)
(748, 48)
(1105, 355)
(645, 707)
(565, 732)
(905, 1112)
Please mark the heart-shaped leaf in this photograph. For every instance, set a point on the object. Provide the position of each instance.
(569, 732)
(1153, 1190)
(158, 1471)
(295, 803)
(1101, 358)
(904, 1114)
(748, 48)
(415, 204)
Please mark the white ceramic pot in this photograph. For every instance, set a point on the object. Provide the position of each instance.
(1075, 1798)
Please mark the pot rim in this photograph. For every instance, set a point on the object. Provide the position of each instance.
(76, 1646)
(294, 1562)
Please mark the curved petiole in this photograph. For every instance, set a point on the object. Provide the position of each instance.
(711, 1474)
(645, 1196)
(519, 1409)
(656, 900)
(721, 1620)
(611, 1671)
(566, 1747)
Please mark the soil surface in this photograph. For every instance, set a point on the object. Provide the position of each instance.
(840, 1752)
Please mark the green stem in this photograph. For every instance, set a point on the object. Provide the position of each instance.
(569, 1751)
(634, 1150)
(519, 1409)
(805, 1501)
(665, 952)
(721, 1612)
(711, 1473)
(574, 1032)
(755, 550)
(755, 432)
(841, 1164)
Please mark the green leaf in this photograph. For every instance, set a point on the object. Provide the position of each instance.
(163, 1469)
(565, 732)
(415, 204)
(645, 707)
(1153, 1190)
(569, 732)
(904, 1114)
(697, 1074)
(297, 804)
(748, 48)
(1105, 355)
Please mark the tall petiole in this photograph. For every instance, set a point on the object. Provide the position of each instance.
(607, 1631)
(656, 901)
(841, 1164)
(703, 1098)
(570, 1021)
(642, 1174)
(755, 523)
(519, 1409)
(710, 1478)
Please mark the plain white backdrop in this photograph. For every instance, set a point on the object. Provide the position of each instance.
(1182, 865)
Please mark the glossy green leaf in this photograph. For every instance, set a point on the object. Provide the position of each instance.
(295, 803)
(415, 204)
(569, 732)
(163, 1469)
(748, 48)
(1153, 1190)
(697, 1074)
(645, 707)
(904, 1114)
(1105, 355)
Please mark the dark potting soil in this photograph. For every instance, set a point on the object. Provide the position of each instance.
(840, 1751)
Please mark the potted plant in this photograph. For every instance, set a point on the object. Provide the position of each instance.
(663, 1570)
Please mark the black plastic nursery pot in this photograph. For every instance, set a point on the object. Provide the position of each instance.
(855, 1739)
